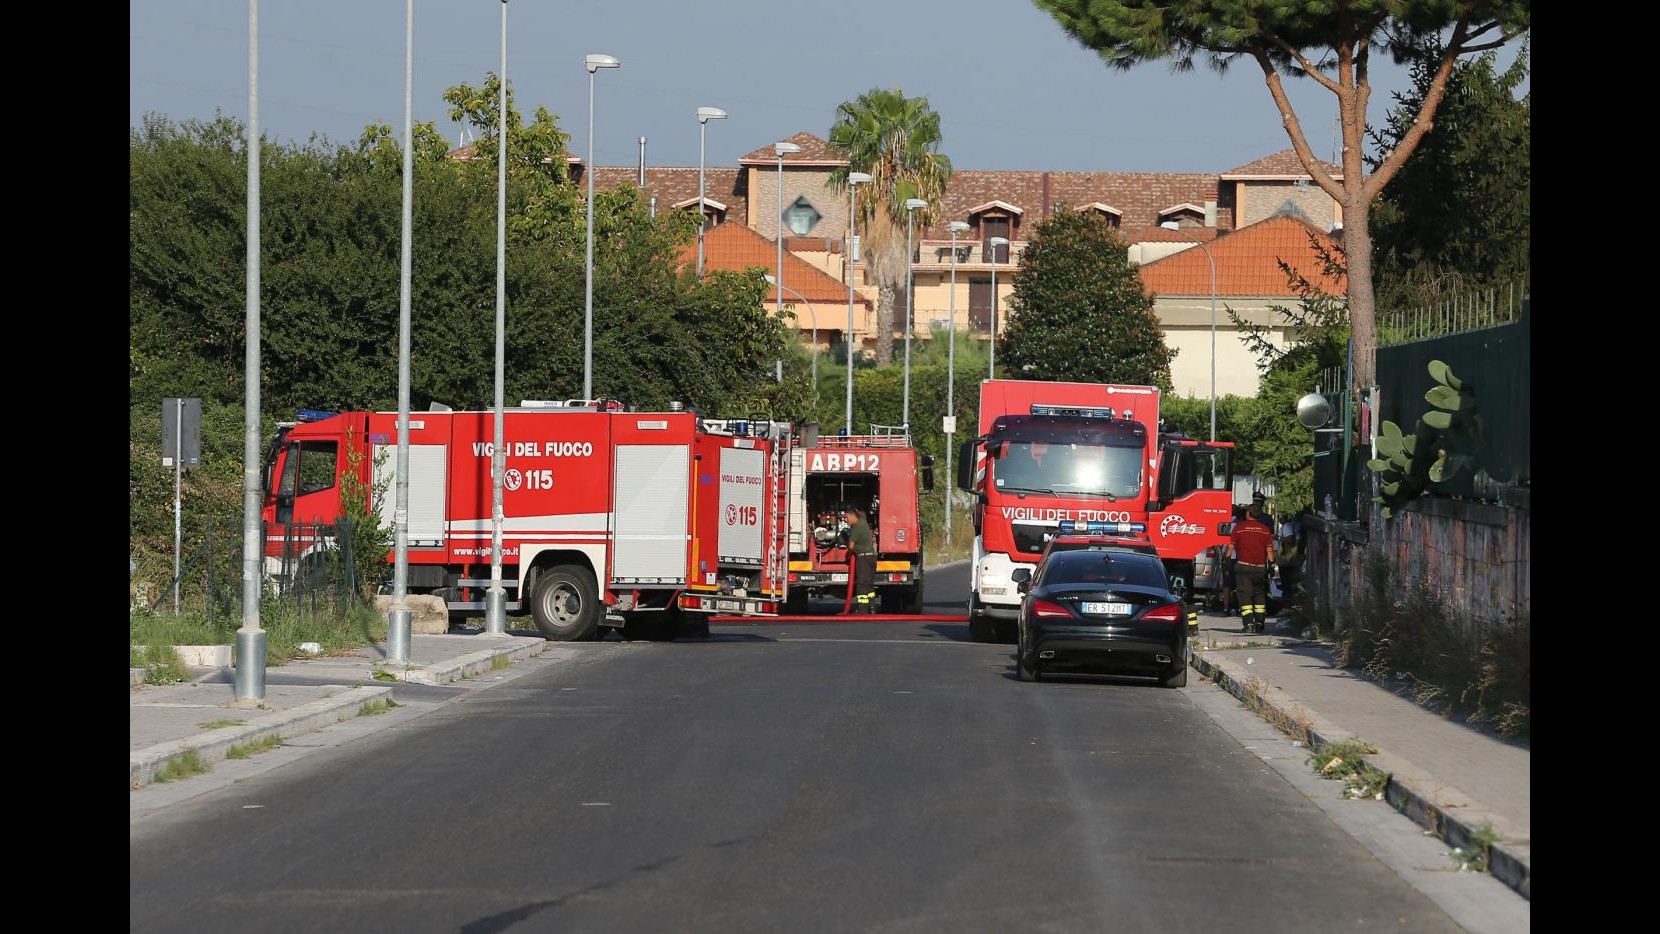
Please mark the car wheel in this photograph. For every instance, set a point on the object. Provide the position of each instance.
(1178, 679)
(1025, 670)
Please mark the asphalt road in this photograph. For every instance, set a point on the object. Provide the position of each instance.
(775, 777)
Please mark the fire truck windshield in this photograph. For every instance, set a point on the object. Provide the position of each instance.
(1076, 469)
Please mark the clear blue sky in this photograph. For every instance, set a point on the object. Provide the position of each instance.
(1012, 90)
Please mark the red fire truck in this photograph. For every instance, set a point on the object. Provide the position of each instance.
(880, 473)
(1083, 457)
(609, 517)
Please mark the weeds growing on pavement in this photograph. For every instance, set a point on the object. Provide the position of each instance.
(376, 707)
(335, 627)
(381, 674)
(498, 662)
(1477, 854)
(180, 766)
(244, 750)
(219, 724)
(1345, 761)
(1404, 634)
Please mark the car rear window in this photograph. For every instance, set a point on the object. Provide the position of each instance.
(1103, 567)
(1102, 546)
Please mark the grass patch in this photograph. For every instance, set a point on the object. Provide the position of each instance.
(381, 674)
(245, 750)
(499, 662)
(1345, 761)
(219, 724)
(179, 767)
(335, 625)
(376, 707)
(161, 664)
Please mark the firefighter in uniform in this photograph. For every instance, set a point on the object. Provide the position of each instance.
(1252, 548)
(863, 546)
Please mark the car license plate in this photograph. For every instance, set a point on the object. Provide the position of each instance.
(730, 605)
(1106, 609)
(838, 578)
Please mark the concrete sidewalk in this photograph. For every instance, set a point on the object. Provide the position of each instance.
(1449, 777)
(203, 718)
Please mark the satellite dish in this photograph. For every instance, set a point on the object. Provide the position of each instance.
(1313, 410)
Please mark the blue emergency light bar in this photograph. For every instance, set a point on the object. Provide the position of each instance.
(1068, 526)
(1075, 411)
(314, 415)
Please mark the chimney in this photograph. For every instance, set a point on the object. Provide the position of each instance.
(1210, 204)
(642, 183)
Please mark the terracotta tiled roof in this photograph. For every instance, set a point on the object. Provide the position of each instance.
(1282, 164)
(676, 185)
(1247, 262)
(1139, 195)
(814, 151)
(1164, 235)
(734, 247)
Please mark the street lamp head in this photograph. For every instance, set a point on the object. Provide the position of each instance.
(705, 114)
(771, 279)
(957, 226)
(596, 61)
(784, 148)
(911, 204)
(998, 241)
(858, 178)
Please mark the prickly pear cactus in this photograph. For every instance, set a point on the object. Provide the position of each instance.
(1446, 443)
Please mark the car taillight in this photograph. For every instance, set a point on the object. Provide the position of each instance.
(1047, 609)
(1164, 614)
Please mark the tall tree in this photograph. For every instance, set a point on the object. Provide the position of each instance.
(1459, 215)
(896, 140)
(1328, 41)
(1080, 311)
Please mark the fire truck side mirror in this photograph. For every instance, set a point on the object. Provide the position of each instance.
(965, 466)
(927, 472)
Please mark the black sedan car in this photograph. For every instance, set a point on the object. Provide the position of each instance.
(1110, 612)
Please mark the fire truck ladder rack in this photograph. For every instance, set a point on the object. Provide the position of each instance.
(881, 436)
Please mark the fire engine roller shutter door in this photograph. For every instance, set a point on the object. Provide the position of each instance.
(427, 464)
(798, 500)
(742, 479)
(652, 494)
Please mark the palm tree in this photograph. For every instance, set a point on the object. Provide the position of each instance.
(895, 140)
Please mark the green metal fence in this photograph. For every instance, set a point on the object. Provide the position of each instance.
(1494, 359)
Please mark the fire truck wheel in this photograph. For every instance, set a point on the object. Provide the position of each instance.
(980, 628)
(566, 607)
(899, 600)
(796, 603)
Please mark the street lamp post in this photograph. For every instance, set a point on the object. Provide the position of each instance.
(704, 115)
(495, 599)
(781, 149)
(854, 179)
(251, 638)
(995, 242)
(400, 616)
(956, 227)
(1172, 225)
(811, 310)
(911, 206)
(593, 63)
